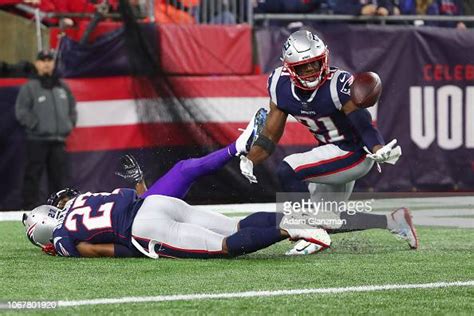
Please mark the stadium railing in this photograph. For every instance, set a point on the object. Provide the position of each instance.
(232, 12)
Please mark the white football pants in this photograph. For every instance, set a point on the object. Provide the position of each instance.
(178, 229)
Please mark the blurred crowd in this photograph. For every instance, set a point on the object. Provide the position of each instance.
(227, 11)
(372, 8)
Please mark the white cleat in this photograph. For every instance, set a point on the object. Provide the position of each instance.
(304, 247)
(251, 132)
(316, 236)
(402, 226)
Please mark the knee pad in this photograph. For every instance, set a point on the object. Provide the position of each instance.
(289, 180)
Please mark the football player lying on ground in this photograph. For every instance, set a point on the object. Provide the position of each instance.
(319, 97)
(158, 223)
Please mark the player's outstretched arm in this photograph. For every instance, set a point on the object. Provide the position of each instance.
(270, 136)
(89, 250)
(141, 187)
(130, 170)
(265, 143)
(362, 122)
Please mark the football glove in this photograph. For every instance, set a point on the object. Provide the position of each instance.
(386, 154)
(246, 168)
(49, 250)
(130, 169)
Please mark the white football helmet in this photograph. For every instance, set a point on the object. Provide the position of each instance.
(40, 223)
(305, 57)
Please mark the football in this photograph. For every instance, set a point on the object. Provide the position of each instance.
(366, 89)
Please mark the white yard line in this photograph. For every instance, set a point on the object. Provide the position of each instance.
(251, 294)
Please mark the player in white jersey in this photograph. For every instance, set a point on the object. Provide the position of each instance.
(318, 96)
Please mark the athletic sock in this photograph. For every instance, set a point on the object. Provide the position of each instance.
(251, 239)
(360, 221)
(198, 167)
(232, 149)
(261, 219)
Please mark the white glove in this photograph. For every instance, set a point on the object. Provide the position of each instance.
(246, 168)
(386, 154)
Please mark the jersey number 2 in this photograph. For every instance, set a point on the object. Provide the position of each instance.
(104, 220)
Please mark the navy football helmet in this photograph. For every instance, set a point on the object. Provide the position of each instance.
(58, 199)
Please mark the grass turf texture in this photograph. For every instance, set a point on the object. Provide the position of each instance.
(362, 258)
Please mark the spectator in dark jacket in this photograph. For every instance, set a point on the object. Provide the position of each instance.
(451, 7)
(468, 8)
(365, 7)
(434, 7)
(46, 108)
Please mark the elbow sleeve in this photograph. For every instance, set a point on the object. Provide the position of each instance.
(362, 122)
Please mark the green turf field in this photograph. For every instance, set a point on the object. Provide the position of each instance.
(362, 258)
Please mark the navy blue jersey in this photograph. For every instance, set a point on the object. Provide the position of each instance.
(319, 110)
(97, 218)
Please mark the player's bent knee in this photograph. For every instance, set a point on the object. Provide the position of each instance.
(289, 180)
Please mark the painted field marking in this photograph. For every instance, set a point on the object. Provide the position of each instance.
(251, 294)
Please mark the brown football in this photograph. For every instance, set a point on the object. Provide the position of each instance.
(366, 89)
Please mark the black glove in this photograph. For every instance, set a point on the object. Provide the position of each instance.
(130, 169)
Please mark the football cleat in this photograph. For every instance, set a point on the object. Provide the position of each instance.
(251, 132)
(304, 247)
(402, 226)
(316, 236)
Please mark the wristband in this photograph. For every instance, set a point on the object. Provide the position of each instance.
(265, 143)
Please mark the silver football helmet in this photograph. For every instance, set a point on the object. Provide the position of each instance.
(305, 57)
(40, 223)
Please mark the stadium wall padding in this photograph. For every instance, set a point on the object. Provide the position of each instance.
(185, 50)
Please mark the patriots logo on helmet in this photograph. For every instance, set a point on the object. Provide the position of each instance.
(40, 223)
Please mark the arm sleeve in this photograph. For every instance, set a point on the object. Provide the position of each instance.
(361, 120)
(24, 108)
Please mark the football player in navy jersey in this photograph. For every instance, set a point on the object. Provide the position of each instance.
(318, 96)
(157, 222)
